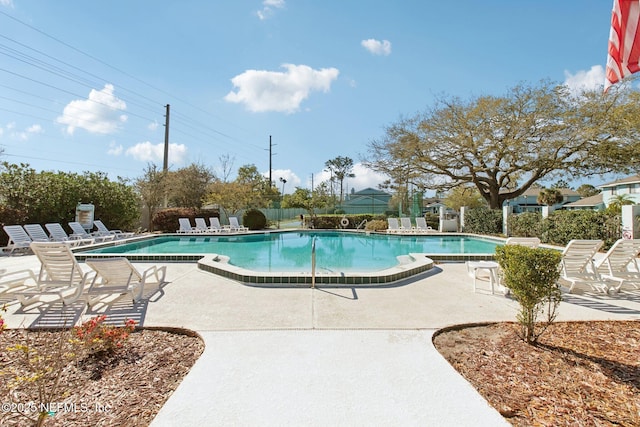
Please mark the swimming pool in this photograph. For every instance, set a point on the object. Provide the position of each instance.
(290, 251)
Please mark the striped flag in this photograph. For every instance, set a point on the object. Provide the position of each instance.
(624, 41)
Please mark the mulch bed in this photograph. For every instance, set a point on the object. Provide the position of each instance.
(580, 373)
(124, 388)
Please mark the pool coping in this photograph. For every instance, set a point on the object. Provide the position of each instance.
(410, 265)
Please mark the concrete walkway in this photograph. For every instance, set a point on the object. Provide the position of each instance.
(318, 357)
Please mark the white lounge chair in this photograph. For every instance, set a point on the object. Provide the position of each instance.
(422, 227)
(531, 242)
(578, 267)
(60, 275)
(104, 231)
(18, 238)
(201, 225)
(81, 233)
(185, 226)
(620, 264)
(36, 232)
(393, 226)
(215, 225)
(235, 225)
(406, 226)
(57, 234)
(116, 276)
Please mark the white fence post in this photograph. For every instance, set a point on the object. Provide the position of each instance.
(463, 210)
(506, 211)
(629, 225)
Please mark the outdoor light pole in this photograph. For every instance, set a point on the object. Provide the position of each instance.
(283, 181)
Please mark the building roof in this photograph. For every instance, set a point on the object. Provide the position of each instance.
(587, 201)
(370, 192)
(535, 192)
(635, 179)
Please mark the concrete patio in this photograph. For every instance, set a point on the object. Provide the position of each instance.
(324, 356)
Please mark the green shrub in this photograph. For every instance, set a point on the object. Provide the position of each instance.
(526, 224)
(376, 225)
(254, 219)
(432, 220)
(531, 274)
(166, 220)
(334, 221)
(562, 226)
(483, 221)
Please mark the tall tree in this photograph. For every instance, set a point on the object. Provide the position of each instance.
(152, 188)
(250, 189)
(587, 190)
(304, 198)
(340, 168)
(464, 196)
(503, 145)
(188, 185)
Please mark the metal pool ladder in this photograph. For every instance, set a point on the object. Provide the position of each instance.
(313, 262)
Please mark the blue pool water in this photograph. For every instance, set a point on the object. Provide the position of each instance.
(291, 251)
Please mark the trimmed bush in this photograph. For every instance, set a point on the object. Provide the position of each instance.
(376, 225)
(483, 221)
(531, 274)
(526, 224)
(254, 219)
(562, 226)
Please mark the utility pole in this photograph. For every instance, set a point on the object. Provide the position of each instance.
(165, 165)
(271, 153)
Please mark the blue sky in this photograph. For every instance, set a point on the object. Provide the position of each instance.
(83, 84)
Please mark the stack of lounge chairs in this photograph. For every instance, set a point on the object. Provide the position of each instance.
(21, 237)
(62, 279)
(215, 227)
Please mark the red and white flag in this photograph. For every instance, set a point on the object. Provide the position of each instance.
(624, 41)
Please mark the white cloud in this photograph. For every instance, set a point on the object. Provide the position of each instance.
(585, 80)
(26, 134)
(148, 152)
(8, 3)
(115, 149)
(100, 113)
(377, 47)
(152, 126)
(292, 179)
(268, 7)
(364, 178)
(261, 90)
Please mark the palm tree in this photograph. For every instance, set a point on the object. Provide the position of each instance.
(549, 196)
(618, 201)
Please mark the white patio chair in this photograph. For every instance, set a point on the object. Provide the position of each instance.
(578, 267)
(57, 234)
(18, 238)
(216, 227)
(422, 227)
(235, 225)
(36, 232)
(118, 277)
(393, 226)
(620, 264)
(201, 225)
(104, 231)
(405, 225)
(80, 232)
(185, 226)
(531, 242)
(60, 275)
